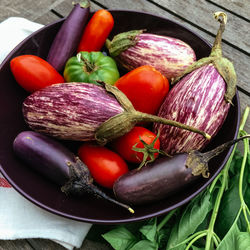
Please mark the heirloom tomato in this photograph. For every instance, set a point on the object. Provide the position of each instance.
(90, 67)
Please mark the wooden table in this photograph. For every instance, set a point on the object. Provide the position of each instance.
(194, 14)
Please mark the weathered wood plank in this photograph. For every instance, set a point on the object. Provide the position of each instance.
(15, 245)
(239, 7)
(63, 8)
(44, 244)
(237, 30)
(91, 245)
(28, 8)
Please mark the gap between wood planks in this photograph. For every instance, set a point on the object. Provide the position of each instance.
(197, 26)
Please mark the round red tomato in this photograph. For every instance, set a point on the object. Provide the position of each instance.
(124, 144)
(145, 87)
(104, 165)
(34, 73)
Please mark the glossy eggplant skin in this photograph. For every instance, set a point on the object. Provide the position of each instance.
(56, 162)
(155, 181)
(45, 155)
(69, 35)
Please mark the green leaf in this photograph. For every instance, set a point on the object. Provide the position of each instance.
(145, 245)
(230, 239)
(193, 216)
(197, 248)
(235, 240)
(150, 230)
(120, 238)
(243, 240)
(230, 203)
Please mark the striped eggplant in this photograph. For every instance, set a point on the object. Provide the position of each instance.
(201, 98)
(84, 112)
(132, 49)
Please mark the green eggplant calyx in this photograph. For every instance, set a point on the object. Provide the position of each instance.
(122, 123)
(83, 4)
(224, 67)
(122, 42)
(197, 164)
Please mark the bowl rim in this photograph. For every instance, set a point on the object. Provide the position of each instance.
(131, 219)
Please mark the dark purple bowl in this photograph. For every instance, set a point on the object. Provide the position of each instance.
(46, 194)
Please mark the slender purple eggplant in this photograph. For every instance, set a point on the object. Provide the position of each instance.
(69, 35)
(169, 55)
(85, 112)
(56, 162)
(165, 176)
(201, 98)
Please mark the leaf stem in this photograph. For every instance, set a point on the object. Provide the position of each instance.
(215, 241)
(211, 188)
(243, 165)
(166, 219)
(210, 232)
(222, 187)
(195, 239)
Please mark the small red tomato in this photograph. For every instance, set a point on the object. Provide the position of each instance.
(34, 73)
(104, 165)
(145, 87)
(124, 145)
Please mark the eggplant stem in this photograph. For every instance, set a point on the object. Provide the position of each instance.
(143, 117)
(216, 49)
(122, 123)
(123, 41)
(81, 182)
(216, 151)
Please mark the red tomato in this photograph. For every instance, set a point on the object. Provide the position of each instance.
(145, 87)
(104, 165)
(124, 144)
(34, 73)
(96, 32)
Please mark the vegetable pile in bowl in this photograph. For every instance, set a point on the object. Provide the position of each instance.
(105, 119)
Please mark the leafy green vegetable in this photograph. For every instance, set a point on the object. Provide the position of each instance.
(192, 217)
(120, 238)
(218, 218)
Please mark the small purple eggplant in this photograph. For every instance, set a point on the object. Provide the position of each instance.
(57, 163)
(69, 35)
(165, 176)
(85, 112)
(200, 99)
(169, 55)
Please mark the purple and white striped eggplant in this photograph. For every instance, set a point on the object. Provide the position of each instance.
(170, 56)
(201, 99)
(85, 112)
(70, 111)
